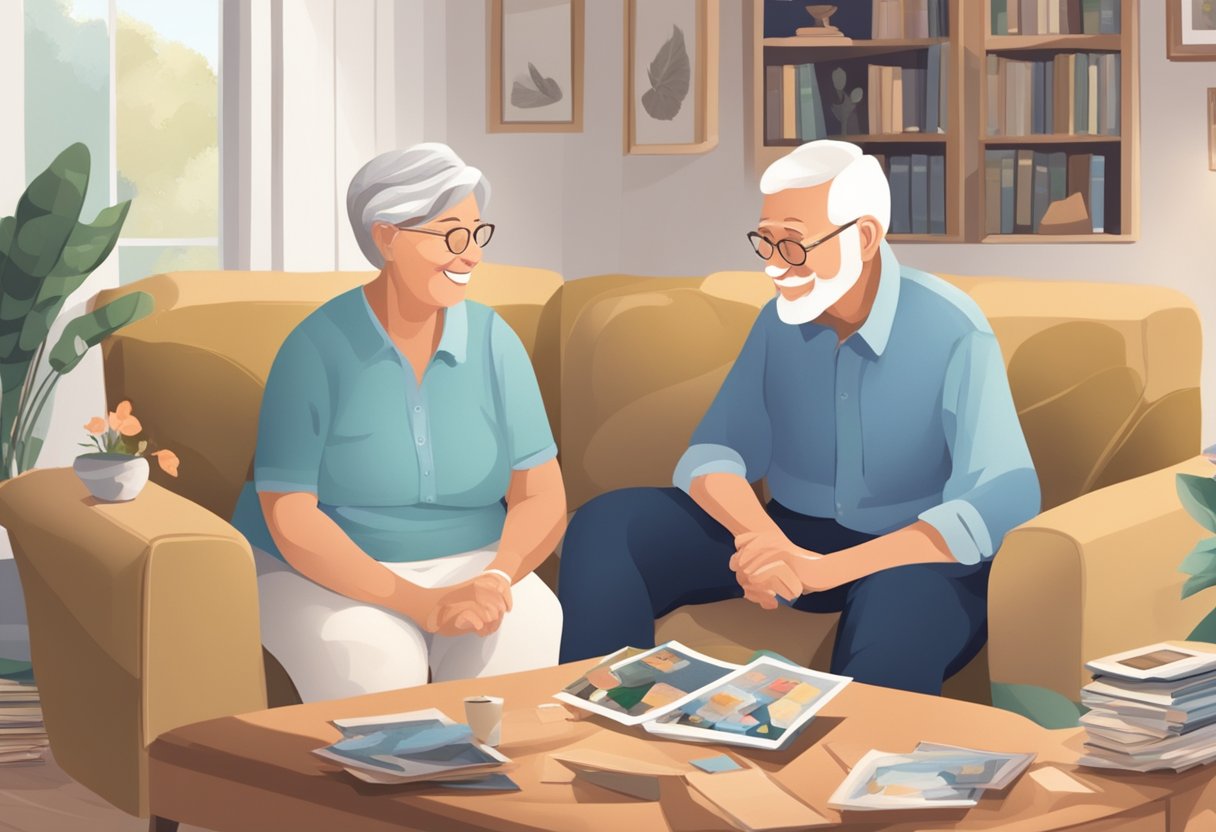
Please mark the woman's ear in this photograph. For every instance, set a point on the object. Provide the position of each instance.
(382, 236)
(871, 235)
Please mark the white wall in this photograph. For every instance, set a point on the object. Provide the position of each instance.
(575, 203)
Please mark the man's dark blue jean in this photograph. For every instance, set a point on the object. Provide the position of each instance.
(632, 556)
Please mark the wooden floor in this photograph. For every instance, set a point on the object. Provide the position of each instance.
(41, 798)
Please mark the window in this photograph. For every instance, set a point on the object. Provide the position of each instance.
(138, 82)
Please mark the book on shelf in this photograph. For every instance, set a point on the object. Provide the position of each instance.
(937, 193)
(773, 113)
(1022, 184)
(901, 198)
(918, 192)
(909, 19)
(1055, 17)
(1076, 93)
(810, 112)
(789, 101)
(1097, 192)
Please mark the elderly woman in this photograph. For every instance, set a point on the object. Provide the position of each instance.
(405, 479)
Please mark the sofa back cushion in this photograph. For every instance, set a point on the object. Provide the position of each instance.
(1105, 377)
(195, 368)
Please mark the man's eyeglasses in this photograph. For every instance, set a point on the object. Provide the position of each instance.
(458, 238)
(791, 251)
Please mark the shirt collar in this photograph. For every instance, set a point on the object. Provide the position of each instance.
(876, 329)
(453, 342)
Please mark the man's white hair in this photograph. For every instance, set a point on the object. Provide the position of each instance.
(409, 187)
(859, 187)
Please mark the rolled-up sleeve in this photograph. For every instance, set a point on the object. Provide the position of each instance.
(294, 420)
(521, 409)
(735, 436)
(992, 486)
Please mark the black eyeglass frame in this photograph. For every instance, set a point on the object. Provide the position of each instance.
(447, 235)
(755, 238)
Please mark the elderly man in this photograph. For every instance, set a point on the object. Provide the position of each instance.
(873, 399)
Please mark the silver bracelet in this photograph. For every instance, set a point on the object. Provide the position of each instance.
(505, 576)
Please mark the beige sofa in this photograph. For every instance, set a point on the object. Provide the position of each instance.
(143, 616)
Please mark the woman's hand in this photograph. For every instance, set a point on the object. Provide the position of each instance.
(476, 605)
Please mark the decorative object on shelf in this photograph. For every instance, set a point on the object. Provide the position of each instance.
(823, 29)
(845, 108)
(536, 66)
(1198, 496)
(671, 76)
(118, 470)
(1190, 30)
(46, 254)
(1066, 216)
(1211, 128)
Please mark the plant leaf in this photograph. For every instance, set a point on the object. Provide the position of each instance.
(838, 78)
(1198, 496)
(670, 75)
(1201, 558)
(96, 326)
(1198, 583)
(1206, 631)
(545, 91)
(855, 95)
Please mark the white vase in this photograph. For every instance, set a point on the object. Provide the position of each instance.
(112, 477)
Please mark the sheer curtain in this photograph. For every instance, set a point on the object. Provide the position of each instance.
(312, 89)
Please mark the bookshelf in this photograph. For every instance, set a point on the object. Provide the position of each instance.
(856, 57)
(964, 142)
(1114, 141)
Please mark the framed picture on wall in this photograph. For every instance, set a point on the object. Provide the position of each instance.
(1190, 30)
(535, 66)
(671, 76)
(1211, 128)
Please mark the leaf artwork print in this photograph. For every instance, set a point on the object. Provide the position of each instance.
(543, 92)
(670, 75)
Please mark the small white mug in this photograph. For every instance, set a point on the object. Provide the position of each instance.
(484, 714)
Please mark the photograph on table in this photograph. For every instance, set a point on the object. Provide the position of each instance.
(535, 66)
(645, 686)
(671, 76)
(763, 705)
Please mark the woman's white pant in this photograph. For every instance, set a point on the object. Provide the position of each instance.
(332, 646)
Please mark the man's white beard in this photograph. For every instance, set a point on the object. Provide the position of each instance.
(825, 291)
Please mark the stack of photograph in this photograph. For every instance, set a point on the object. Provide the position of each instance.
(22, 734)
(1152, 709)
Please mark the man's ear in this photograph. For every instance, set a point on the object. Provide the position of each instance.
(871, 235)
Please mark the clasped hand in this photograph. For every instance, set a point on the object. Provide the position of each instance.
(474, 606)
(768, 565)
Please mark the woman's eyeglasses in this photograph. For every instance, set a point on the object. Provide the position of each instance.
(458, 238)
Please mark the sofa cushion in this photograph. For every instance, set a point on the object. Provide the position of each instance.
(217, 333)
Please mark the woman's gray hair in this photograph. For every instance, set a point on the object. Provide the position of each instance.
(409, 187)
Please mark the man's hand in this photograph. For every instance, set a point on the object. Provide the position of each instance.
(476, 605)
(767, 564)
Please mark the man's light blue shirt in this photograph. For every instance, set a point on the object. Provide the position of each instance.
(409, 471)
(910, 418)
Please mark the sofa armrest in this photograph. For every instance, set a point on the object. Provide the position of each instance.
(1094, 576)
(143, 617)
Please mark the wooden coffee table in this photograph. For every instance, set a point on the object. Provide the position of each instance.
(255, 772)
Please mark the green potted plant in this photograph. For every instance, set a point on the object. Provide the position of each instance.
(1198, 495)
(46, 253)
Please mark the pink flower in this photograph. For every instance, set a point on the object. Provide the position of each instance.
(96, 426)
(168, 461)
(122, 421)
